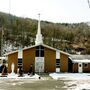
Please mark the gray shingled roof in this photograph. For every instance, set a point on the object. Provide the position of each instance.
(80, 57)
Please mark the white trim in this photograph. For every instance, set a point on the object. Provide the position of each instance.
(57, 55)
(20, 54)
(11, 52)
(38, 45)
(57, 69)
(81, 61)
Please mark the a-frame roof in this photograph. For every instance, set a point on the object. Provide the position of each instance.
(39, 45)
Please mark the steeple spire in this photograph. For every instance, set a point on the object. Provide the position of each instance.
(39, 28)
(38, 35)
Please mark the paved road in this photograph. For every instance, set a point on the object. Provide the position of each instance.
(31, 85)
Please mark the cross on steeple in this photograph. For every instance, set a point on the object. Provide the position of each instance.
(39, 28)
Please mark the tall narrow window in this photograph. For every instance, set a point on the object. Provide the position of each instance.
(19, 62)
(39, 51)
(57, 63)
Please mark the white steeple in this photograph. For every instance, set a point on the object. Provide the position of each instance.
(38, 35)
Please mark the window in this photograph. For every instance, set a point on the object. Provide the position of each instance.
(79, 65)
(86, 65)
(19, 62)
(39, 51)
(57, 63)
(42, 53)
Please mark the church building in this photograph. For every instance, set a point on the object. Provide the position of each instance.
(43, 58)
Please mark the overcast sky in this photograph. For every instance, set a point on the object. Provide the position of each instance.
(71, 11)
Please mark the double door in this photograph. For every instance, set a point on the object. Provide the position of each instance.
(39, 64)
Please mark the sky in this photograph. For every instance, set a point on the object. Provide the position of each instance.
(58, 11)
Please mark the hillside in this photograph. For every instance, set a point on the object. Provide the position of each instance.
(19, 31)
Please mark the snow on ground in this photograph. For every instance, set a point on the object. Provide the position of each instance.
(73, 81)
(15, 76)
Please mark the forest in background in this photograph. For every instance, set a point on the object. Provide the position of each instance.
(21, 32)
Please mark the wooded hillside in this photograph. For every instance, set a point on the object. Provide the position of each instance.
(20, 31)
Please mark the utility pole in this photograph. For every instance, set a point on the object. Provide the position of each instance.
(2, 40)
(88, 3)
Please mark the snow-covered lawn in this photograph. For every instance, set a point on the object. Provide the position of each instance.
(15, 77)
(73, 81)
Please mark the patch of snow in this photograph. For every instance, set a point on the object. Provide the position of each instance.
(15, 77)
(70, 76)
(73, 81)
(77, 85)
(13, 84)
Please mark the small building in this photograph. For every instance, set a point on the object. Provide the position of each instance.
(43, 58)
(80, 63)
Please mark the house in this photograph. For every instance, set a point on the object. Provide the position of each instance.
(41, 57)
(80, 63)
